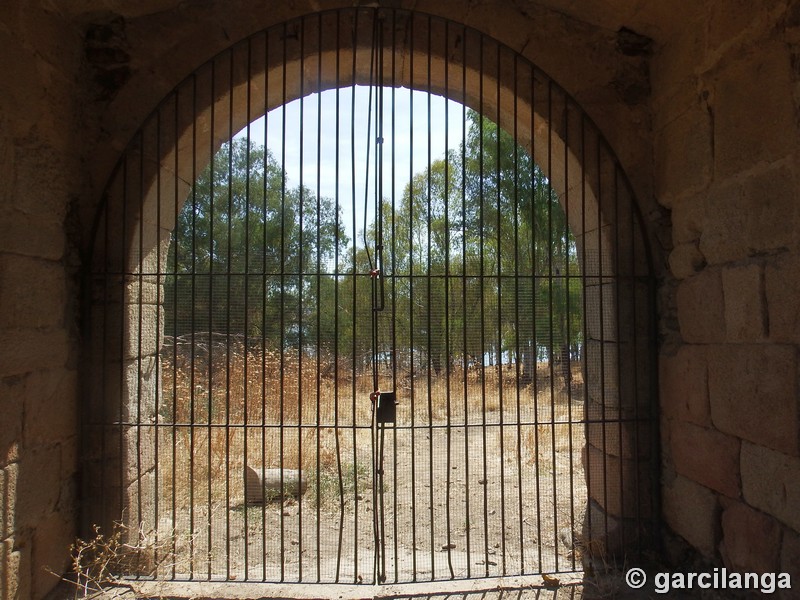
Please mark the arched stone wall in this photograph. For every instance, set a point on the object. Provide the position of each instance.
(604, 70)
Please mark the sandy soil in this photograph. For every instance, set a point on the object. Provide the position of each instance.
(481, 498)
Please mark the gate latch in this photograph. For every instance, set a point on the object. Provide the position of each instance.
(386, 411)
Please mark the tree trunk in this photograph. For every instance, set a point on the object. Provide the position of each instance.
(528, 364)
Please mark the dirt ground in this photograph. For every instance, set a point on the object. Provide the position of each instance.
(496, 494)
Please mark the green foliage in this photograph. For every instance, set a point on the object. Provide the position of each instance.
(242, 248)
(479, 260)
(488, 228)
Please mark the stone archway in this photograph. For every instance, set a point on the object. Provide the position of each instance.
(307, 55)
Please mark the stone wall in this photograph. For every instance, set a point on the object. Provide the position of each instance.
(725, 111)
(40, 175)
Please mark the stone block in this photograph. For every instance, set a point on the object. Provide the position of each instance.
(32, 292)
(23, 350)
(37, 485)
(683, 378)
(10, 571)
(782, 283)
(8, 500)
(672, 72)
(119, 330)
(750, 217)
(770, 200)
(601, 312)
(728, 20)
(771, 483)
(29, 235)
(21, 84)
(55, 40)
(684, 153)
(692, 511)
(706, 456)
(685, 260)
(745, 312)
(790, 556)
(753, 393)
(11, 407)
(751, 540)
(45, 170)
(602, 374)
(620, 486)
(51, 551)
(763, 79)
(629, 439)
(700, 308)
(725, 225)
(50, 400)
(688, 215)
(607, 538)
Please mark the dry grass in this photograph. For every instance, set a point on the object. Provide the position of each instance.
(255, 408)
(101, 563)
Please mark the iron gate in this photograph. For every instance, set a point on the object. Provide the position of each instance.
(370, 302)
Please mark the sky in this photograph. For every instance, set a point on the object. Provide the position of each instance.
(308, 126)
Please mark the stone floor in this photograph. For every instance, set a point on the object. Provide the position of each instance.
(605, 588)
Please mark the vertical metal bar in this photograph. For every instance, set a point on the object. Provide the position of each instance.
(319, 288)
(501, 427)
(354, 304)
(138, 423)
(617, 277)
(192, 380)
(585, 324)
(429, 309)
(336, 282)
(375, 438)
(517, 334)
(550, 285)
(482, 273)
(447, 275)
(104, 399)
(634, 324)
(536, 275)
(282, 349)
(395, 518)
(651, 313)
(246, 275)
(600, 278)
(567, 286)
(263, 293)
(301, 269)
(174, 427)
(156, 417)
(411, 303)
(211, 273)
(380, 293)
(464, 281)
(228, 290)
(124, 453)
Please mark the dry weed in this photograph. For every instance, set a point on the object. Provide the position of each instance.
(103, 564)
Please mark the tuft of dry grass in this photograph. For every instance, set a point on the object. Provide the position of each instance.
(101, 564)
